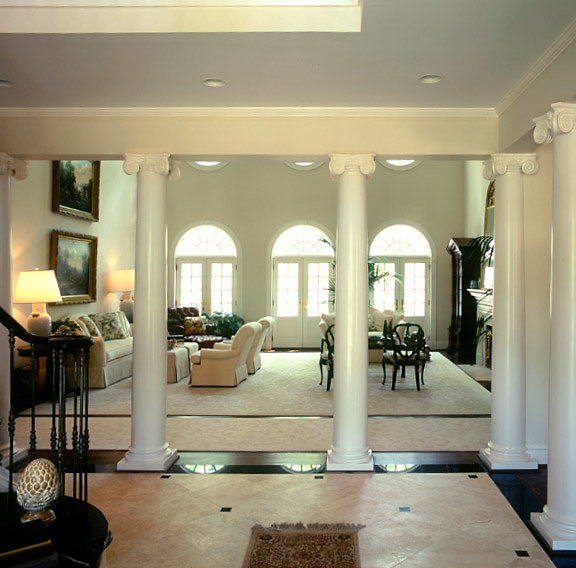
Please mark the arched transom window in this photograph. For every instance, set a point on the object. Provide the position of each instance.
(400, 240)
(206, 265)
(206, 240)
(303, 240)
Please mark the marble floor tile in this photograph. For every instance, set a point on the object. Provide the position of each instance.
(453, 520)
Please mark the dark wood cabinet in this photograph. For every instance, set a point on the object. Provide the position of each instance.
(466, 273)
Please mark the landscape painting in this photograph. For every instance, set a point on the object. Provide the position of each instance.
(74, 261)
(76, 188)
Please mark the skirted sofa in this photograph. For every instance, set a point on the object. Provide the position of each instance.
(111, 354)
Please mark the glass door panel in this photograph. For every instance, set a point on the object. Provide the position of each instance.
(190, 284)
(301, 295)
(221, 284)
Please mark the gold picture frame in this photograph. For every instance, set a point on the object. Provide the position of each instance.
(76, 188)
(73, 258)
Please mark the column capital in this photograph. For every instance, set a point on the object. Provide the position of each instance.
(10, 166)
(500, 164)
(363, 163)
(160, 164)
(561, 119)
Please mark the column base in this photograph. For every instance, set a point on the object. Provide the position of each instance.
(337, 461)
(557, 536)
(159, 461)
(499, 460)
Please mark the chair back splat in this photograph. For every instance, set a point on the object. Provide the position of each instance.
(405, 346)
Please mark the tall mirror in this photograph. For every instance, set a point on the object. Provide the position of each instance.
(488, 260)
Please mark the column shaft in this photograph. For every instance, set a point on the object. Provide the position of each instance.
(350, 449)
(9, 167)
(557, 523)
(149, 449)
(507, 448)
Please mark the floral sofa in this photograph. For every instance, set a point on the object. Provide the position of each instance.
(111, 354)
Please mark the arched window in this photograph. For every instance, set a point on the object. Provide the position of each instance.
(404, 254)
(302, 259)
(303, 240)
(206, 264)
(400, 240)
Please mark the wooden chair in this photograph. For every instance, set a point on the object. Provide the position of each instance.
(406, 347)
(327, 356)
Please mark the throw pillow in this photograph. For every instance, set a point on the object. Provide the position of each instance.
(110, 325)
(194, 326)
(125, 324)
(90, 326)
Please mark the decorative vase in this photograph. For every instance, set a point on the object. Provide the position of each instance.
(37, 489)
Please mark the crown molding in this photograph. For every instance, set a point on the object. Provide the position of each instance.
(243, 112)
(540, 65)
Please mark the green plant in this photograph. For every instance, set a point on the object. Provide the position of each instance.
(375, 273)
(226, 324)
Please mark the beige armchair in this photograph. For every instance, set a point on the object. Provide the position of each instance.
(225, 365)
(254, 361)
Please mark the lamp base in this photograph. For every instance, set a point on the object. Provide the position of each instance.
(127, 306)
(39, 321)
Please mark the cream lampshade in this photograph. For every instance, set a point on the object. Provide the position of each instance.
(37, 287)
(123, 281)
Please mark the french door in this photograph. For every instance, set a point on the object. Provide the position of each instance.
(206, 283)
(409, 294)
(301, 293)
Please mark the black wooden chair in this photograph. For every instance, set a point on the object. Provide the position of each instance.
(405, 347)
(327, 357)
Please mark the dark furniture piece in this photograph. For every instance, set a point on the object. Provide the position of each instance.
(79, 535)
(175, 321)
(405, 347)
(327, 357)
(466, 273)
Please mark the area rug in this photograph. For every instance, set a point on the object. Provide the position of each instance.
(303, 546)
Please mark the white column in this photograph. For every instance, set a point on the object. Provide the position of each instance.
(350, 451)
(9, 167)
(557, 523)
(149, 450)
(507, 448)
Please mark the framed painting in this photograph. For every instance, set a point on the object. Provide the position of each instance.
(76, 188)
(73, 259)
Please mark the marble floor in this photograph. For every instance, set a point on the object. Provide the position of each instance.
(432, 520)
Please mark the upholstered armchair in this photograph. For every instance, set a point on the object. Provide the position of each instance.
(254, 360)
(225, 365)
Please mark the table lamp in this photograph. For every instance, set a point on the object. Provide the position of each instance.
(37, 287)
(123, 281)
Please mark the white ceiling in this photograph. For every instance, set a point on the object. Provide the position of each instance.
(484, 49)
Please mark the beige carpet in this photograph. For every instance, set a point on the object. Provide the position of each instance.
(450, 413)
(287, 385)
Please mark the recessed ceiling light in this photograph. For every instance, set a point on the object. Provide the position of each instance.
(429, 79)
(215, 83)
(6, 84)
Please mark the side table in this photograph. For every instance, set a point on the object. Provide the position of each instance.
(205, 341)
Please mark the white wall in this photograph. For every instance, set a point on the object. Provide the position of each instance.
(475, 203)
(255, 200)
(33, 222)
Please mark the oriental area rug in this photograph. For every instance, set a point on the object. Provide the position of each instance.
(303, 546)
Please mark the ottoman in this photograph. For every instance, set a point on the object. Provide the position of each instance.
(177, 364)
